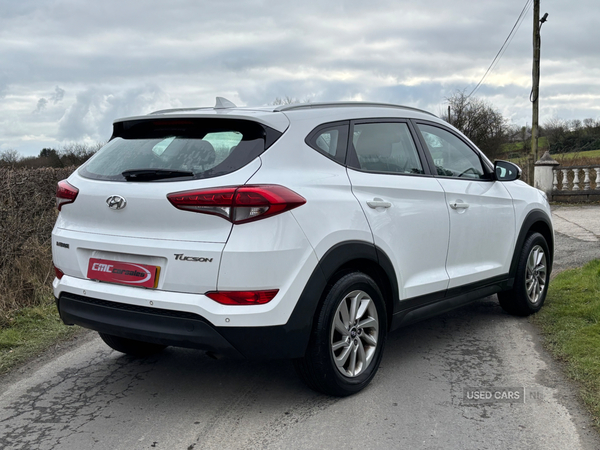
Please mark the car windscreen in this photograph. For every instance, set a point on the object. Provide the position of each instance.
(178, 149)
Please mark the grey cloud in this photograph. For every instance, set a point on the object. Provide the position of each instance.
(3, 83)
(426, 96)
(269, 33)
(73, 125)
(55, 98)
(427, 38)
(58, 95)
(41, 105)
(94, 61)
(94, 110)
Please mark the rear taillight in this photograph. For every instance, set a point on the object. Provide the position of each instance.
(238, 204)
(65, 193)
(242, 297)
(59, 273)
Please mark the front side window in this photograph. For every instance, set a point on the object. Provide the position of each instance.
(451, 156)
(161, 149)
(385, 147)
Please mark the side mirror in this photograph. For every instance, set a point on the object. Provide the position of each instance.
(506, 171)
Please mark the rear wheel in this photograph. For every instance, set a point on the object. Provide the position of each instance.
(348, 337)
(131, 346)
(531, 282)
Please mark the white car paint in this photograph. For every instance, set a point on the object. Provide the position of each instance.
(431, 246)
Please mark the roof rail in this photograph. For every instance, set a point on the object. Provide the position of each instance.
(297, 106)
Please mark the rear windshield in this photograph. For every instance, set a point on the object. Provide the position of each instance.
(178, 149)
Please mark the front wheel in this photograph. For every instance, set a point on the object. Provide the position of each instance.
(531, 281)
(130, 346)
(347, 339)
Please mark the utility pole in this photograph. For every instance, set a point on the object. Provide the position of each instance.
(535, 90)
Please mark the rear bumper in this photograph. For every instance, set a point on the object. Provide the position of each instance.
(182, 329)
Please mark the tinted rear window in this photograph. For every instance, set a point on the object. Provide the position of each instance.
(204, 148)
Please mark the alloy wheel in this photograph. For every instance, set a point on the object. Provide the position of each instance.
(535, 277)
(355, 333)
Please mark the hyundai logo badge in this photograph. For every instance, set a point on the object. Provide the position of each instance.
(116, 202)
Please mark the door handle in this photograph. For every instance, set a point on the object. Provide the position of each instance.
(378, 203)
(459, 205)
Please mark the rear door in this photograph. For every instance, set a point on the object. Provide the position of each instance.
(482, 218)
(406, 208)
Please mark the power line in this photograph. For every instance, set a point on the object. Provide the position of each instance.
(513, 34)
(506, 43)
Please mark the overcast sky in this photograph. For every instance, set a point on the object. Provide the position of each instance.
(68, 68)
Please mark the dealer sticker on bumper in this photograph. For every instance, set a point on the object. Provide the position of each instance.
(132, 274)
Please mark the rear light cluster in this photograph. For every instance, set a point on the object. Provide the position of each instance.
(59, 273)
(238, 204)
(242, 297)
(65, 194)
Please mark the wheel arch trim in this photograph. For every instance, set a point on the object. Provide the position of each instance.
(369, 259)
(339, 259)
(535, 221)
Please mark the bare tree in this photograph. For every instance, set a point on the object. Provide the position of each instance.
(76, 153)
(479, 121)
(9, 158)
(287, 100)
(575, 125)
(284, 101)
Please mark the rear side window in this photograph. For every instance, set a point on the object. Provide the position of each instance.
(171, 149)
(330, 139)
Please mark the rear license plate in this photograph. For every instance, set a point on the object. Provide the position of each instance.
(131, 274)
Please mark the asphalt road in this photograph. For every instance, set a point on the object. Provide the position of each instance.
(85, 396)
(577, 235)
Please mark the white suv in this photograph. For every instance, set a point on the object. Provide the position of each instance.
(302, 231)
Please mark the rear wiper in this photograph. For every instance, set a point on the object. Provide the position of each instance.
(154, 174)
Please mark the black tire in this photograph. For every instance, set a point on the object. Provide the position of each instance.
(361, 343)
(532, 278)
(130, 346)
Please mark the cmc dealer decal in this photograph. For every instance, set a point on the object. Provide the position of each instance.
(123, 272)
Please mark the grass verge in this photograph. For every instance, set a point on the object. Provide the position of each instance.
(29, 332)
(570, 324)
(569, 157)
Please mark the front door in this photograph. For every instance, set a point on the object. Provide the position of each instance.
(482, 217)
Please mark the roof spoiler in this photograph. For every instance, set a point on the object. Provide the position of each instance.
(221, 103)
